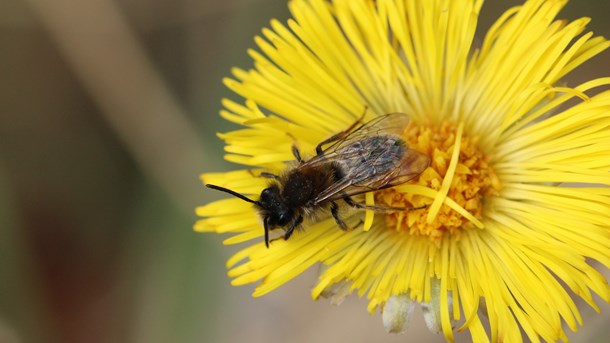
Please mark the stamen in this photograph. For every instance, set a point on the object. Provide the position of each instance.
(453, 187)
(369, 199)
(442, 194)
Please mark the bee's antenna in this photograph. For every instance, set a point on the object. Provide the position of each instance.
(233, 193)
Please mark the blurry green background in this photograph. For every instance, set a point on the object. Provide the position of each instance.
(108, 113)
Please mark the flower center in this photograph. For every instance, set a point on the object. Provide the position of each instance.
(464, 176)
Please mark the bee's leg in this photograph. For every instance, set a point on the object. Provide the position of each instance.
(295, 148)
(268, 175)
(354, 204)
(334, 210)
(296, 153)
(266, 225)
(292, 227)
(263, 174)
(339, 135)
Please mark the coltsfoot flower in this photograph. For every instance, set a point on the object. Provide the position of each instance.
(516, 195)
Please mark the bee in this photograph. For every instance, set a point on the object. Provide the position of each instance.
(363, 158)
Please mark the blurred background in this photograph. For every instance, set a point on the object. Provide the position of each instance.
(108, 114)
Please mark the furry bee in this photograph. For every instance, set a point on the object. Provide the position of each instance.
(362, 158)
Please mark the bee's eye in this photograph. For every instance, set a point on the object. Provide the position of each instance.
(269, 194)
(284, 218)
(265, 193)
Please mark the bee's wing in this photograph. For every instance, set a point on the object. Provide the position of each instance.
(374, 174)
(391, 123)
(360, 180)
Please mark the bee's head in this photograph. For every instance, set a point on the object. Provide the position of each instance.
(274, 211)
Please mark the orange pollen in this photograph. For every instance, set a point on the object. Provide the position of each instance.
(474, 180)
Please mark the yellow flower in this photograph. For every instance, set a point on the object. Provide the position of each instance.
(517, 190)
